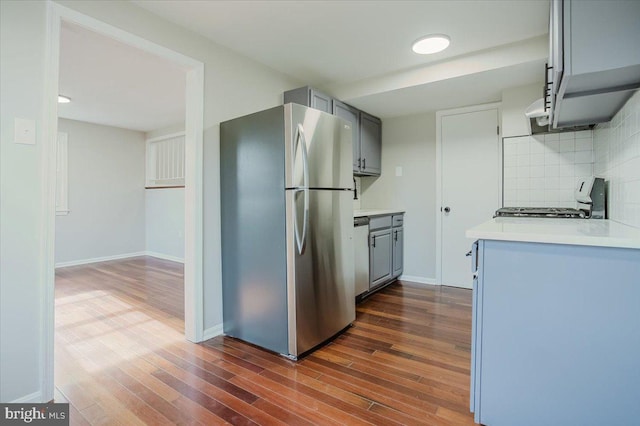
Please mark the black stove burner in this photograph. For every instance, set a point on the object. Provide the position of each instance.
(550, 212)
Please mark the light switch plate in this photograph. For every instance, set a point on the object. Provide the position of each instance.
(398, 170)
(24, 131)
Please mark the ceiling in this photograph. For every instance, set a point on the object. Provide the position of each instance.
(358, 51)
(114, 84)
(337, 45)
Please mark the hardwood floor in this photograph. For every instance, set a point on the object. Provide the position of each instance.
(121, 358)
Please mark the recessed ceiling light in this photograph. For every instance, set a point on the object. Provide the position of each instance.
(433, 43)
(63, 99)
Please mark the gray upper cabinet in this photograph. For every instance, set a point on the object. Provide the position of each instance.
(310, 97)
(367, 129)
(370, 145)
(595, 58)
(352, 115)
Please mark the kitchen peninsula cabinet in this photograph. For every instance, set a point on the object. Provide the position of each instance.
(555, 323)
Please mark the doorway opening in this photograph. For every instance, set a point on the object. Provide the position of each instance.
(163, 273)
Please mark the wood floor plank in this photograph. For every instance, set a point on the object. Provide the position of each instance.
(121, 358)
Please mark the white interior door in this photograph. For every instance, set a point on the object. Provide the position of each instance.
(470, 192)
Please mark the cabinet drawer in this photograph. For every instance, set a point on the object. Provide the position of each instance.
(398, 220)
(379, 222)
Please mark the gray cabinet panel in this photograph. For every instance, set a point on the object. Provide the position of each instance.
(320, 101)
(370, 144)
(398, 251)
(552, 337)
(310, 97)
(352, 115)
(380, 246)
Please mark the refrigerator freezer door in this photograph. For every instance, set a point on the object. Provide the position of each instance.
(320, 281)
(328, 155)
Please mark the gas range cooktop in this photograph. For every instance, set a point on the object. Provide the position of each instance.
(550, 212)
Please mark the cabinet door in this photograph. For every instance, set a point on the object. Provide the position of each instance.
(380, 249)
(310, 97)
(398, 251)
(319, 100)
(370, 144)
(352, 115)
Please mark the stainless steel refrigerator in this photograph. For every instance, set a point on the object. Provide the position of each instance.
(287, 228)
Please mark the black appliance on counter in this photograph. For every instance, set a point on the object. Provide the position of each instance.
(590, 196)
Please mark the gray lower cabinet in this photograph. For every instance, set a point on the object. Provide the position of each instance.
(380, 252)
(310, 97)
(398, 251)
(386, 239)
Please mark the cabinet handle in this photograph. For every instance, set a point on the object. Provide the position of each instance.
(374, 241)
(395, 236)
(359, 163)
(364, 163)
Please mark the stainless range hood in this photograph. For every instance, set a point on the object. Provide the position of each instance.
(538, 120)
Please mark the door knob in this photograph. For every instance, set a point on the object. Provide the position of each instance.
(447, 209)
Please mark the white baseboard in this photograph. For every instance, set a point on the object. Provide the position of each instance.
(32, 398)
(165, 256)
(100, 259)
(418, 280)
(212, 332)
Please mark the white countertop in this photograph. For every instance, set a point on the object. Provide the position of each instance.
(375, 212)
(585, 232)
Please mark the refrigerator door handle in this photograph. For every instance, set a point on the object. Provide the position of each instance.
(305, 156)
(301, 240)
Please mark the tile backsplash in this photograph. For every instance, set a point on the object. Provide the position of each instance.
(617, 159)
(543, 170)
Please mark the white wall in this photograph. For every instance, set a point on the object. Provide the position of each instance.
(22, 49)
(106, 193)
(617, 152)
(164, 223)
(544, 170)
(514, 103)
(409, 143)
(169, 130)
(234, 86)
